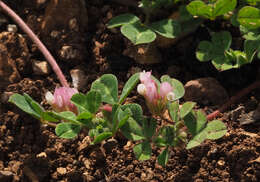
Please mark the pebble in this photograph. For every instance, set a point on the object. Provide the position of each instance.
(207, 91)
(61, 170)
(41, 67)
(12, 28)
(79, 78)
(68, 52)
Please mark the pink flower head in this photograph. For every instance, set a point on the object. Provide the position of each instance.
(60, 101)
(156, 101)
(145, 76)
(165, 88)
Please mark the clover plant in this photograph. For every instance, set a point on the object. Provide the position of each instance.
(139, 32)
(222, 56)
(103, 113)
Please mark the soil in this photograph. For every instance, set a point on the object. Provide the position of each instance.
(31, 152)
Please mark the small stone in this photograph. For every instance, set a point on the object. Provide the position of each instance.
(6, 176)
(205, 91)
(79, 78)
(12, 28)
(68, 52)
(41, 155)
(221, 163)
(87, 163)
(5, 97)
(73, 24)
(41, 67)
(61, 170)
(55, 34)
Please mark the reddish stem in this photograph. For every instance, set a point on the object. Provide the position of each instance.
(37, 41)
(233, 99)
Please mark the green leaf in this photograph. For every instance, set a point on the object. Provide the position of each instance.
(160, 142)
(178, 88)
(138, 33)
(167, 28)
(115, 110)
(204, 52)
(107, 85)
(67, 130)
(211, 11)
(199, 8)
(197, 140)
(122, 20)
(21, 102)
(67, 116)
(122, 118)
(143, 151)
(48, 116)
(80, 101)
(251, 47)
(89, 102)
(223, 6)
(249, 17)
(163, 157)
(35, 105)
(215, 129)
(129, 86)
(101, 137)
(186, 108)
(221, 41)
(85, 118)
(132, 130)
(173, 109)
(195, 122)
(136, 112)
(93, 101)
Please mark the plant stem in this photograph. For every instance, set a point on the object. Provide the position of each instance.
(233, 99)
(37, 41)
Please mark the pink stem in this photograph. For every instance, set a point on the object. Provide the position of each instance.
(39, 44)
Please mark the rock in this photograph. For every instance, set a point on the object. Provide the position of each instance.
(64, 11)
(5, 97)
(12, 28)
(61, 170)
(6, 176)
(41, 67)
(205, 91)
(8, 71)
(144, 54)
(79, 78)
(17, 50)
(68, 52)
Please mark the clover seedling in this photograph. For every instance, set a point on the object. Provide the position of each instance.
(222, 56)
(102, 112)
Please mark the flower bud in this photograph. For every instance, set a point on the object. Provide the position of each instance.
(141, 89)
(145, 76)
(170, 96)
(60, 101)
(165, 88)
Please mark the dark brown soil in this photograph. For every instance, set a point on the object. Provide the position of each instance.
(31, 152)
